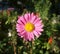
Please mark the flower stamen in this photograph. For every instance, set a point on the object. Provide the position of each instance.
(29, 27)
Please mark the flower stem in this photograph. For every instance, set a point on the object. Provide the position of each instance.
(31, 49)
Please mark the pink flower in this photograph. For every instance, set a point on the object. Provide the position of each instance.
(29, 26)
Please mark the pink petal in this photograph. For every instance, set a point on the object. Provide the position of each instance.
(22, 20)
(39, 25)
(27, 16)
(38, 29)
(32, 14)
(37, 20)
(28, 36)
(25, 36)
(36, 34)
(33, 19)
(23, 32)
(39, 33)
(20, 35)
(32, 36)
(19, 28)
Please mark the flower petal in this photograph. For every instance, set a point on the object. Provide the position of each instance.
(37, 20)
(36, 34)
(30, 36)
(33, 19)
(19, 28)
(27, 17)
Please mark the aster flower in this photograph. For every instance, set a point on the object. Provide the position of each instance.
(29, 26)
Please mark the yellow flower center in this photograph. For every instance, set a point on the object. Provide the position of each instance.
(29, 27)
